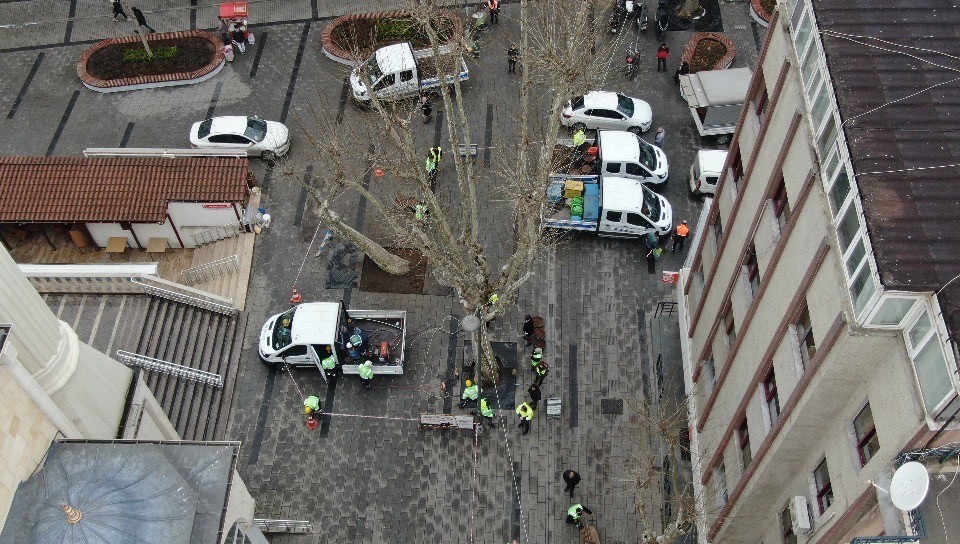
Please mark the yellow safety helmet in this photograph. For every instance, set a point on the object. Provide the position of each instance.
(469, 383)
(308, 409)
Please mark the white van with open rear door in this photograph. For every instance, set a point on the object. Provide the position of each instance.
(705, 171)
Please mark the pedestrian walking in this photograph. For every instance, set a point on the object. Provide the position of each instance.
(660, 137)
(330, 366)
(487, 412)
(366, 373)
(141, 20)
(528, 329)
(513, 55)
(525, 412)
(535, 394)
(494, 7)
(470, 393)
(118, 10)
(311, 405)
(653, 251)
(571, 478)
(541, 371)
(663, 53)
(239, 39)
(680, 236)
(575, 512)
(682, 70)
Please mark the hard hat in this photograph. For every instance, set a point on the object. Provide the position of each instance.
(368, 363)
(538, 350)
(266, 217)
(308, 409)
(469, 383)
(349, 345)
(684, 221)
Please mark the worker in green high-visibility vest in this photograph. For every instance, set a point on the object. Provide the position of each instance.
(311, 405)
(575, 512)
(487, 412)
(470, 393)
(366, 373)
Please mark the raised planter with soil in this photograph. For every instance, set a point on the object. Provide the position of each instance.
(762, 11)
(709, 51)
(356, 36)
(180, 58)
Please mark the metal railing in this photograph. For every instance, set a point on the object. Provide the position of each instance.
(213, 269)
(918, 530)
(166, 367)
(218, 233)
(283, 526)
(665, 308)
(87, 278)
(186, 295)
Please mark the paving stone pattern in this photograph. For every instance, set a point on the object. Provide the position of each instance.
(382, 480)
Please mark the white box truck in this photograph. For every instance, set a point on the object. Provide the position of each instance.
(705, 171)
(715, 98)
(307, 333)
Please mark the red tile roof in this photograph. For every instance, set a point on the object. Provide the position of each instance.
(136, 190)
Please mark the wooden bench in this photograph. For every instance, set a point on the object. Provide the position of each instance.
(157, 245)
(116, 244)
(446, 421)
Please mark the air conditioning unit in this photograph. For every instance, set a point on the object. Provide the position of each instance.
(800, 515)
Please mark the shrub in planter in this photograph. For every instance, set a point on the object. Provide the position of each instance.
(141, 55)
(709, 51)
(171, 56)
(360, 34)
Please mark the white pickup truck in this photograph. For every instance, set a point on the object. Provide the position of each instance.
(608, 206)
(307, 333)
(398, 71)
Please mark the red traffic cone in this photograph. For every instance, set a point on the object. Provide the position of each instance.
(312, 423)
(296, 297)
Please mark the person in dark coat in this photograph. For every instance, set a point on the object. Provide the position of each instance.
(118, 10)
(571, 478)
(535, 394)
(141, 20)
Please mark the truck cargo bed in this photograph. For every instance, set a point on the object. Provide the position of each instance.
(378, 326)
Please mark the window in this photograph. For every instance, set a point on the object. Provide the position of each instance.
(613, 167)
(892, 312)
(729, 327)
(406, 75)
(743, 435)
(717, 230)
(228, 139)
(720, 475)
(805, 340)
(709, 374)
(929, 362)
(786, 526)
(762, 101)
(771, 401)
(614, 217)
(751, 270)
(821, 480)
(781, 206)
(634, 169)
(605, 114)
(736, 170)
(294, 351)
(637, 220)
(701, 279)
(866, 434)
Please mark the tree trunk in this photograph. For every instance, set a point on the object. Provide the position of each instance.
(690, 9)
(390, 263)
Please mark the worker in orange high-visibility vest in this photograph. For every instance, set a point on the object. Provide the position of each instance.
(680, 236)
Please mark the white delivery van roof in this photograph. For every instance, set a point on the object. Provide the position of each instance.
(716, 87)
(711, 160)
(395, 58)
(619, 146)
(622, 194)
(315, 323)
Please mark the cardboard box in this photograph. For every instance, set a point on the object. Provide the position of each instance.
(572, 188)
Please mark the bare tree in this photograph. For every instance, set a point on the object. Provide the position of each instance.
(557, 43)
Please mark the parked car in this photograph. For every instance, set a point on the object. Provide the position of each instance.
(705, 171)
(266, 139)
(602, 109)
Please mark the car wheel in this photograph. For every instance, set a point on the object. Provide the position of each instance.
(578, 127)
(268, 156)
(635, 130)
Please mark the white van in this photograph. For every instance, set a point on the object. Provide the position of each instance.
(705, 171)
(624, 154)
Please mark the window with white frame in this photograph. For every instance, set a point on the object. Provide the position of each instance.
(720, 481)
(786, 526)
(805, 340)
(771, 397)
(929, 363)
(821, 481)
(891, 312)
(865, 432)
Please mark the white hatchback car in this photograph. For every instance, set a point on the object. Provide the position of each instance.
(268, 139)
(606, 110)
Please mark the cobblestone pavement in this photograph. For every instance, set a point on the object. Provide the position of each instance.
(363, 479)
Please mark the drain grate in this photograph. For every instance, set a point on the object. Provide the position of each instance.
(612, 407)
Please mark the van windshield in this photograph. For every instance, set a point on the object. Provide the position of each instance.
(373, 69)
(648, 157)
(282, 330)
(651, 204)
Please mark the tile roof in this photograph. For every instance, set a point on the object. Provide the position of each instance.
(80, 189)
(913, 216)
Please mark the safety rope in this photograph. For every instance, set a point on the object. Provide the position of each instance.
(516, 488)
(294, 380)
(305, 255)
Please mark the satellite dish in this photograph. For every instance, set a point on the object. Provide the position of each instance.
(909, 485)
(470, 323)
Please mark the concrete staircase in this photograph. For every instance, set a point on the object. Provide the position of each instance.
(232, 285)
(173, 332)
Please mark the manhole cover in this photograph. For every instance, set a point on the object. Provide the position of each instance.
(611, 406)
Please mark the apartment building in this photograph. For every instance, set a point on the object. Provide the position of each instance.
(819, 305)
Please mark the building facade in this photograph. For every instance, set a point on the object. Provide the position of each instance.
(817, 303)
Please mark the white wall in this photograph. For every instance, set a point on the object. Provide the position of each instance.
(193, 214)
(146, 231)
(102, 232)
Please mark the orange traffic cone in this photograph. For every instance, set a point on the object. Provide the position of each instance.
(312, 423)
(296, 297)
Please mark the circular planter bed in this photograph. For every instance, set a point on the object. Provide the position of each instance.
(358, 35)
(709, 51)
(121, 64)
(762, 11)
